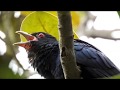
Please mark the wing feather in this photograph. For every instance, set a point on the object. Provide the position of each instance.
(92, 61)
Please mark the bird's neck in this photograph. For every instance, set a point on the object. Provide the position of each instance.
(44, 59)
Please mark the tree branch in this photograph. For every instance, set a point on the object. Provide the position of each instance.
(84, 30)
(106, 34)
(8, 30)
(2, 39)
(67, 55)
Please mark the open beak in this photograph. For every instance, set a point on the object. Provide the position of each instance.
(28, 37)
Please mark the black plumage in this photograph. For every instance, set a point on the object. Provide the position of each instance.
(44, 55)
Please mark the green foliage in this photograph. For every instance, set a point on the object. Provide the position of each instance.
(115, 77)
(25, 13)
(118, 13)
(41, 22)
(76, 18)
(112, 77)
(8, 25)
(5, 71)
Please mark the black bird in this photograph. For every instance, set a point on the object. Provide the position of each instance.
(44, 56)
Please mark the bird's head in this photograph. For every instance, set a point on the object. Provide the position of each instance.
(35, 40)
(37, 44)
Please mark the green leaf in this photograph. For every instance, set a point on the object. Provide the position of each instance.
(76, 18)
(41, 22)
(25, 13)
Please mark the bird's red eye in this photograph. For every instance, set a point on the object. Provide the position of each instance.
(41, 35)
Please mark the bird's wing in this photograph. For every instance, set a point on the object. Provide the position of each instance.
(92, 61)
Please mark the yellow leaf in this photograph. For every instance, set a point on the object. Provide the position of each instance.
(41, 22)
(25, 13)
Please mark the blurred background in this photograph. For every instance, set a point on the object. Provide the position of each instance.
(99, 28)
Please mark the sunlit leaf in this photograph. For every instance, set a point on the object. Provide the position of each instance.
(76, 17)
(25, 13)
(41, 22)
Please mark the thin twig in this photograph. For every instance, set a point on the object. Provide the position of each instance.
(2, 39)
